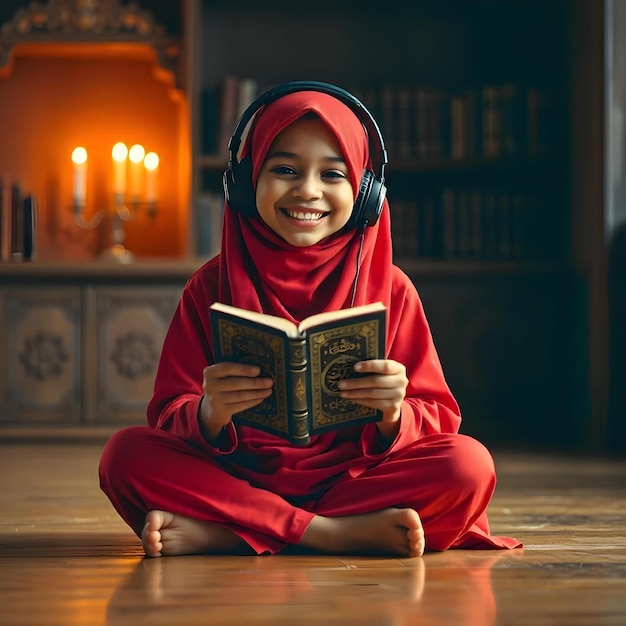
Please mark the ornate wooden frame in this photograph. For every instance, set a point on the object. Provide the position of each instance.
(88, 21)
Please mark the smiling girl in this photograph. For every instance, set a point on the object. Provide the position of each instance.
(193, 481)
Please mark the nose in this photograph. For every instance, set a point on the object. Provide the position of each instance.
(308, 187)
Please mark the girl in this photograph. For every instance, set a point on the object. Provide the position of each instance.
(196, 482)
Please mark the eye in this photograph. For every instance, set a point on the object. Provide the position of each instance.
(334, 174)
(283, 170)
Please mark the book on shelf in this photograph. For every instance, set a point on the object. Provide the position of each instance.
(5, 221)
(209, 224)
(492, 122)
(221, 107)
(247, 93)
(484, 122)
(459, 133)
(227, 111)
(31, 225)
(17, 224)
(306, 363)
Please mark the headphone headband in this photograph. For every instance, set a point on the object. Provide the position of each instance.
(378, 155)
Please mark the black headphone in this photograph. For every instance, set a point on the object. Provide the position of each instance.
(237, 179)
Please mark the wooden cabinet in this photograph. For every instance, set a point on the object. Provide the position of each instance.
(504, 343)
(81, 344)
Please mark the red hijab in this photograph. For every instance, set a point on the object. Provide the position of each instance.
(259, 271)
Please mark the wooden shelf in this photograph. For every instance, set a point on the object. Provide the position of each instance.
(462, 267)
(211, 162)
(157, 269)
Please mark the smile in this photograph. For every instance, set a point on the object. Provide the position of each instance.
(304, 216)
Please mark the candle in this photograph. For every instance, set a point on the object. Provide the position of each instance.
(119, 154)
(151, 163)
(135, 156)
(79, 159)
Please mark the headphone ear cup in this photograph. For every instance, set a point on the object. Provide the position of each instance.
(375, 201)
(369, 202)
(238, 189)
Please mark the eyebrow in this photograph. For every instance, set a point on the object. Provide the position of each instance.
(283, 154)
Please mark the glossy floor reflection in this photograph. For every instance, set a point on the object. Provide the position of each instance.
(66, 559)
(294, 590)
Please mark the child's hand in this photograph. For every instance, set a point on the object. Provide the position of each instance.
(383, 388)
(229, 388)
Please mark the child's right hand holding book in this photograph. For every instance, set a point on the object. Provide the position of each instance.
(228, 389)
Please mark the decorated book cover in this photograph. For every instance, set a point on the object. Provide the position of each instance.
(306, 363)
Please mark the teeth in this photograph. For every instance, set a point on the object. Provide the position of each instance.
(307, 217)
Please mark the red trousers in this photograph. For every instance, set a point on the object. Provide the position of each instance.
(448, 479)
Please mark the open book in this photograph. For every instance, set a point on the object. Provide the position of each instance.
(306, 362)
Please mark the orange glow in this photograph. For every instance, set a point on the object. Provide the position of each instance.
(52, 102)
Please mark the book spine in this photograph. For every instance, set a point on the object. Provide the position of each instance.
(3, 221)
(17, 224)
(30, 228)
(210, 127)
(228, 106)
(492, 122)
(449, 223)
(248, 91)
(299, 418)
(458, 128)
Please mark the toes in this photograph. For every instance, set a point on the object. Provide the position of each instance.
(151, 540)
(155, 520)
(153, 548)
(416, 541)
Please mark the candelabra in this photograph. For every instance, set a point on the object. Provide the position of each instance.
(122, 210)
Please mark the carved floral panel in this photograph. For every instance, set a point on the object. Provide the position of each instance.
(43, 360)
(131, 327)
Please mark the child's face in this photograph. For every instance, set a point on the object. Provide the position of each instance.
(303, 192)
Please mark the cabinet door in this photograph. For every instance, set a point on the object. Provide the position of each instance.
(130, 326)
(40, 372)
(503, 343)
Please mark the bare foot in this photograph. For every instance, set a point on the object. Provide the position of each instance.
(392, 531)
(166, 534)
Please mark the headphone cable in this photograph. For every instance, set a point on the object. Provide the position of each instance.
(358, 262)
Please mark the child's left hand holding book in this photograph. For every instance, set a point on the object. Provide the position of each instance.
(383, 388)
(228, 389)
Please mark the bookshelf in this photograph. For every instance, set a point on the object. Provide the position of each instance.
(471, 112)
(474, 100)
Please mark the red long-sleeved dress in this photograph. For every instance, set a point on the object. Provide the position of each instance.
(266, 490)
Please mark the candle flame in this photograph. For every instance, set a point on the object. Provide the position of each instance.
(119, 152)
(79, 155)
(136, 153)
(151, 161)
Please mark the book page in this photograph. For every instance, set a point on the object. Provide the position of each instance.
(289, 328)
(332, 316)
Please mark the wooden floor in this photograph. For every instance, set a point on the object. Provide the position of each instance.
(66, 559)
